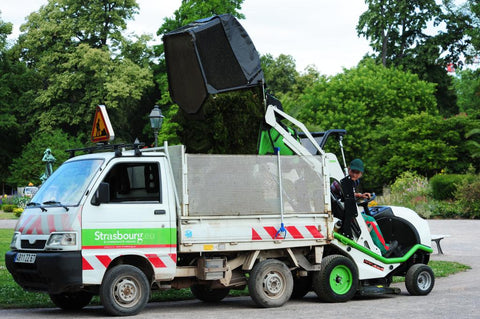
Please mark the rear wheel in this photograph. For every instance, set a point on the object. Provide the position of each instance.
(337, 281)
(270, 283)
(206, 294)
(71, 300)
(419, 280)
(125, 290)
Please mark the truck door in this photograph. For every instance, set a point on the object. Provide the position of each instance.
(136, 222)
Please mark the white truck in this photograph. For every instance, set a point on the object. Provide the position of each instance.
(119, 223)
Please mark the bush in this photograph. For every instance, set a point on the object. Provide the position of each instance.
(8, 208)
(468, 197)
(444, 209)
(444, 186)
(411, 190)
(18, 211)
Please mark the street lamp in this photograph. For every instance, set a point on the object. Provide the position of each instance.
(156, 120)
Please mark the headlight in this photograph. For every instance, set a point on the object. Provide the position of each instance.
(13, 243)
(60, 240)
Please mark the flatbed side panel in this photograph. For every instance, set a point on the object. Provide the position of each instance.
(242, 185)
(264, 232)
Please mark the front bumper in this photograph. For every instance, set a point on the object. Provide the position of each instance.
(52, 272)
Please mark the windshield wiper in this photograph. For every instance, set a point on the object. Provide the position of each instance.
(52, 202)
(37, 204)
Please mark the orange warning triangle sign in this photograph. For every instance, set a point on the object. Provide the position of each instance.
(102, 129)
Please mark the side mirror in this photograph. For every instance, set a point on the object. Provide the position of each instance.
(102, 194)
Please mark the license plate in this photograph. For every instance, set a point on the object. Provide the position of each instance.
(25, 258)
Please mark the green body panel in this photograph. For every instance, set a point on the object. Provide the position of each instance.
(269, 139)
(384, 260)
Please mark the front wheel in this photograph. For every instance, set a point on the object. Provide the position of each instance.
(71, 300)
(270, 283)
(206, 294)
(337, 280)
(419, 280)
(124, 291)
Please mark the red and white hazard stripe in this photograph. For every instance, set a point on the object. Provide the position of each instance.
(293, 232)
(102, 261)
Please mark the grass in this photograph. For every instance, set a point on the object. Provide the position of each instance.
(4, 215)
(12, 296)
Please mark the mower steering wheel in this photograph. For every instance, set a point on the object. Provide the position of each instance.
(365, 201)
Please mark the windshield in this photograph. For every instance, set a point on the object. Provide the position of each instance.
(68, 183)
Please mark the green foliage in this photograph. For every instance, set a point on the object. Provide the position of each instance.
(21, 201)
(444, 186)
(473, 144)
(192, 10)
(280, 73)
(29, 166)
(468, 197)
(467, 87)
(359, 100)
(422, 143)
(400, 34)
(8, 208)
(18, 211)
(228, 124)
(411, 190)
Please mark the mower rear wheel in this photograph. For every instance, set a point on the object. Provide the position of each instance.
(337, 281)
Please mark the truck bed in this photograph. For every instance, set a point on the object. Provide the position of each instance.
(233, 202)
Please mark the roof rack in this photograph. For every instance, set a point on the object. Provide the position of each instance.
(117, 148)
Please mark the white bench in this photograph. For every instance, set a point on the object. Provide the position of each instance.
(436, 239)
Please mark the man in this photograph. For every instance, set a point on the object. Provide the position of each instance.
(355, 171)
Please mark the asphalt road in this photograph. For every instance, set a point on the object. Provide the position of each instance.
(455, 297)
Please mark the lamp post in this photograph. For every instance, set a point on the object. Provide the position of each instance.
(156, 120)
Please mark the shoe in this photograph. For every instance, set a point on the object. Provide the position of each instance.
(393, 245)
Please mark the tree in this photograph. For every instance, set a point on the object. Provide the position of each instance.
(423, 143)
(29, 166)
(467, 86)
(280, 73)
(398, 34)
(474, 145)
(192, 10)
(358, 100)
(75, 47)
(394, 27)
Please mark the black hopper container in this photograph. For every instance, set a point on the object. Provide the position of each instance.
(209, 56)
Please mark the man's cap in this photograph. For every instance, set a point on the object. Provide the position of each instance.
(357, 165)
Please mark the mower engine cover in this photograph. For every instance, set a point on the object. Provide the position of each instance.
(209, 56)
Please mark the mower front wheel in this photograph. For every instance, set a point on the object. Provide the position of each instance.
(419, 280)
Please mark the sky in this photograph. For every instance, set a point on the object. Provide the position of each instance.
(313, 32)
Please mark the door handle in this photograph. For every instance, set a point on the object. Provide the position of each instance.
(160, 212)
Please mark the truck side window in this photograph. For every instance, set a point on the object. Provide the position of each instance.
(134, 182)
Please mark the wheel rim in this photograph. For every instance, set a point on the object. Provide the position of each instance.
(273, 284)
(424, 280)
(127, 292)
(341, 279)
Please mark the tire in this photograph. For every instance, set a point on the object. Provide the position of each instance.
(71, 300)
(206, 294)
(337, 281)
(125, 291)
(419, 280)
(301, 287)
(270, 283)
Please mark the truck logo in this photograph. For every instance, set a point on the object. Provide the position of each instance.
(128, 238)
(108, 237)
